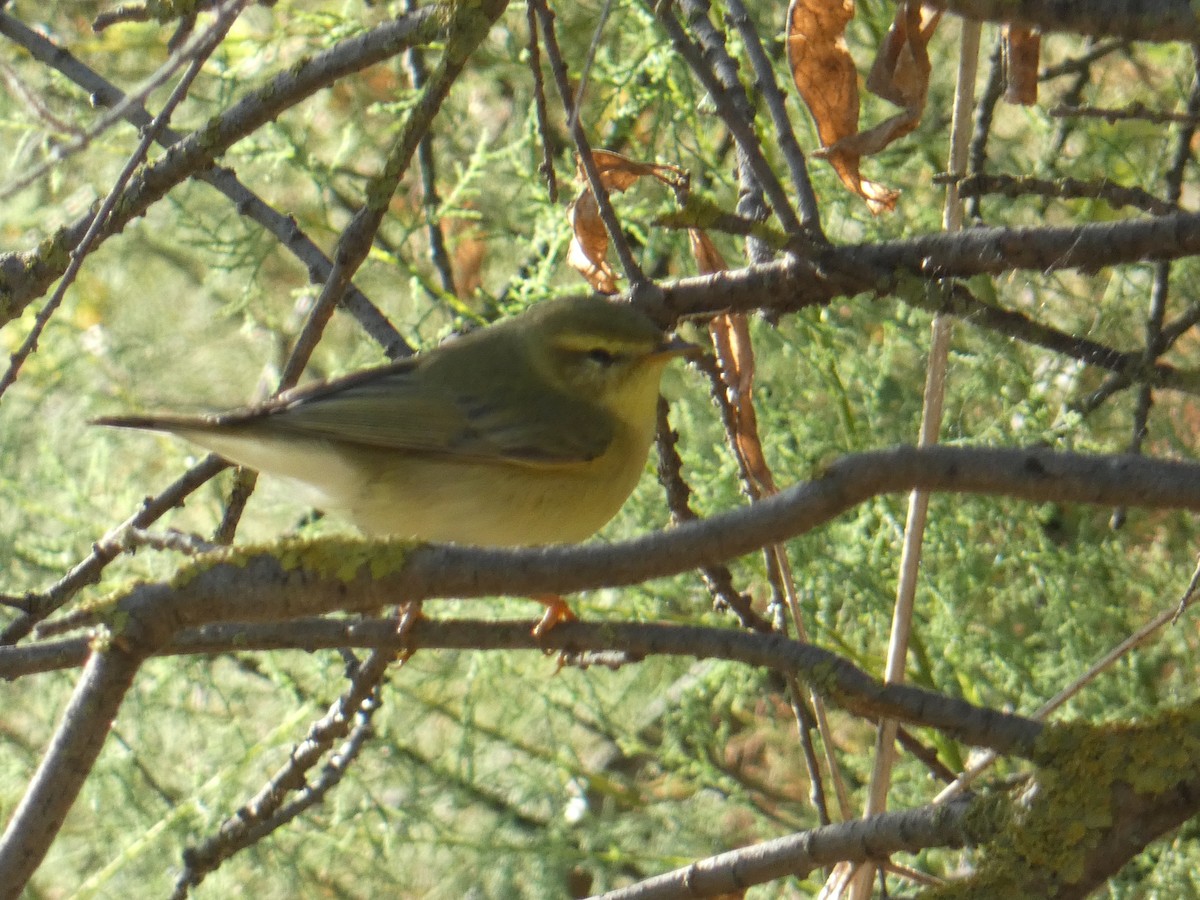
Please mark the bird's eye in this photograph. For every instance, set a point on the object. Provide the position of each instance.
(601, 357)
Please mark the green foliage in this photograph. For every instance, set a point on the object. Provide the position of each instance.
(491, 774)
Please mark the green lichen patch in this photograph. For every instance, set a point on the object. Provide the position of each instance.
(339, 558)
(1054, 828)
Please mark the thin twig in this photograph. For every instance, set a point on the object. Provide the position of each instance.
(546, 168)
(1083, 62)
(933, 399)
(438, 255)
(1115, 195)
(1099, 667)
(589, 60)
(26, 276)
(985, 113)
(87, 571)
(136, 97)
(718, 579)
(1161, 287)
(195, 54)
(638, 282)
(356, 240)
(350, 718)
(732, 104)
(776, 102)
(1136, 110)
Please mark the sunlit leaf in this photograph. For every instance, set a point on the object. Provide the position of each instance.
(589, 244)
(1022, 50)
(824, 75)
(618, 173)
(735, 354)
(589, 241)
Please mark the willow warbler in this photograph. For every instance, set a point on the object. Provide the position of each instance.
(534, 430)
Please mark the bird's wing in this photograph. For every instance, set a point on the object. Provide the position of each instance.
(396, 407)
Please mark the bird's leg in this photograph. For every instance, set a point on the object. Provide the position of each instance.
(408, 615)
(556, 611)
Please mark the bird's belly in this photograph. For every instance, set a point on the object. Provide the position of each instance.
(392, 493)
(492, 505)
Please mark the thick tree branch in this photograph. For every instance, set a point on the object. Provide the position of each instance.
(257, 582)
(325, 576)
(791, 284)
(68, 761)
(788, 285)
(1145, 20)
(829, 674)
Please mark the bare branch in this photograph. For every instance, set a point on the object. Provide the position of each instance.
(25, 276)
(81, 733)
(1145, 20)
(1115, 195)
(194, 55)
(829, 674)
(638, 282)
(247, 203)
(730, 98)
(349, 717)
(466, 29)
(87, 571)
(859, 840)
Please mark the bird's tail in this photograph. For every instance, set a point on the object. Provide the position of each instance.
(156, 423)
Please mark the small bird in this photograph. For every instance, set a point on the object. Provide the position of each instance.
(534, 430)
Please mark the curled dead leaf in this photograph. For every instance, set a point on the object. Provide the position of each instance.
(735, 355)
(589, 244)
(821, 65)
(589, 238)
(618, 173)
(824, 75)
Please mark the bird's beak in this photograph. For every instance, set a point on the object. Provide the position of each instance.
(676, 346)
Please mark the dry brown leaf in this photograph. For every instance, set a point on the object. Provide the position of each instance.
(821, 65)
(901, 69)
(1022, 52)
(708, 257)
(618, 172)
(825, 77)
(735, 354)
(900, 74)
(589, 244)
